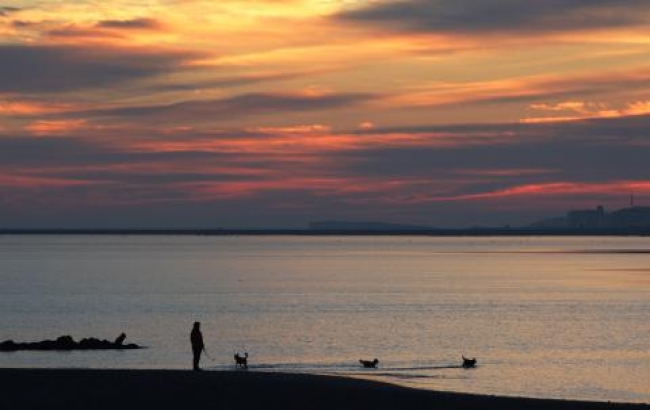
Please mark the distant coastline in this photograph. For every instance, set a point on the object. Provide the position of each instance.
(505, 231)
(633, 221)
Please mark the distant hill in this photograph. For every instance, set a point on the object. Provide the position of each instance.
(364, 226)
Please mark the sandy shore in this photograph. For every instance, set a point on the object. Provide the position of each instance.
(169, 389)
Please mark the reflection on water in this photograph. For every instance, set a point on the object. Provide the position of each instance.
(545, 317)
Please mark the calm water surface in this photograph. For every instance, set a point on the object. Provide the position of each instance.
(546, 317)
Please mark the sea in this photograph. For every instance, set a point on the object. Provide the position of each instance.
(550, 317)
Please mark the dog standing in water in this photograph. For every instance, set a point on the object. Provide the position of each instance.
(468, 363)
(241, 361)
(369, 364)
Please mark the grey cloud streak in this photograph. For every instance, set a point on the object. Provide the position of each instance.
(6, 10)
(595, 149)
(494, 16)
(239, 105)
(43, 69)
(138, 23)
(77, 32)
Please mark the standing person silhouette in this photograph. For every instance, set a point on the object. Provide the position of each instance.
(196, 338)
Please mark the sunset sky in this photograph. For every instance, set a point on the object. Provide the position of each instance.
(275, 113)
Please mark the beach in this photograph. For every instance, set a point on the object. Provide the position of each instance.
(176, 389)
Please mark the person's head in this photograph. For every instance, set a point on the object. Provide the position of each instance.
(197, 325)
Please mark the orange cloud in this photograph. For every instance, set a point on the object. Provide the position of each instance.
(526, 90)
(9, 107)
(562, 106)
(638, 108)
(46, 127)
(294, 129)
(366, 125)
(584, 110)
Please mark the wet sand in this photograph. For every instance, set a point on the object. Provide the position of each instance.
(174, 389)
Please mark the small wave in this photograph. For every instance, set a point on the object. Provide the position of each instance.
(343, 368)
(415, 368)
(301, 367)
(405, 376)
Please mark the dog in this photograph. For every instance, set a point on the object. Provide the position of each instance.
(468, 363)
(241, 361)
(369, 364)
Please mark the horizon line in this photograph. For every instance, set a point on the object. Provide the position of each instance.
(473, 231)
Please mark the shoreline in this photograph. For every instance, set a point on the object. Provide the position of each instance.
(178, 389)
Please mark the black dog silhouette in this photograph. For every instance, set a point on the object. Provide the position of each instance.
(241, 361)
(369, 364)
(467, 363)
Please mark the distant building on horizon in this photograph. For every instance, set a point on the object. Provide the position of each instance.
(633, 217)
(587, 218)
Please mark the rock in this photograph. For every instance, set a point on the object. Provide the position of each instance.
(67, 343)
(8, 346)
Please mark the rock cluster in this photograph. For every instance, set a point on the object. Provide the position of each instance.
(67, 343)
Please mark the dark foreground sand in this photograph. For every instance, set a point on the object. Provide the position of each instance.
(166, 389)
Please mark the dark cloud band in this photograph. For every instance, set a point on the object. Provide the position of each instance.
(237, 106)
(138, 24)
(42, 69)
(494, 16)
(6, 10)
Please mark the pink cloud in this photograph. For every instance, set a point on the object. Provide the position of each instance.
(22, 181)
(557, 188)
